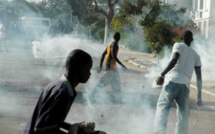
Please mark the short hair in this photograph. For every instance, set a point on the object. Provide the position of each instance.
(187, 35)
(116, 35)
(76, 58)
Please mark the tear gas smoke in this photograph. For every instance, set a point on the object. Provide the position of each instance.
(135, 101)
(133, 113)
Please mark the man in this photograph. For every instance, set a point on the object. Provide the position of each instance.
(177, 75)
(111, 75)
(56, 99)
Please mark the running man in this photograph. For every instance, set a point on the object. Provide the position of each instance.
(111, 75)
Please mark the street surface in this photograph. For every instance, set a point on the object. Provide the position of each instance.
(22, 78)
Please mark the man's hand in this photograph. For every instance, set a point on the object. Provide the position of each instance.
(199, 103)
(74, 128)
(159, 80)
(99, 69)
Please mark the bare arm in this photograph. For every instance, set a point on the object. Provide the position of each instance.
(171, 64)
(101, 61)
(102, 58)
(114, 48)
(199, 83)
(46, 129)
(64, 125)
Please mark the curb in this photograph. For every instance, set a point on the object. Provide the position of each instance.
(136, 64)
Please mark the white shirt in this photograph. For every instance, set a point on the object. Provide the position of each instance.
(183, 70)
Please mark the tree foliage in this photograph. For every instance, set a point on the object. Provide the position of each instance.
(83, 9)
(158, 21)
(64, 13)
(107, 9)
(88, 12)
(122, 23)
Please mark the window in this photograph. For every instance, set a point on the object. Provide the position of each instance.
(199, 24)
(201, 4)
(200, 14)
(205, 4)
(195, 4)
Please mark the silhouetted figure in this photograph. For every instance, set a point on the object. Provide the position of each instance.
(56, 99)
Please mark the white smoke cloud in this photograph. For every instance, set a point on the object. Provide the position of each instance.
(205, 48)
(62, 45)
(136, 112)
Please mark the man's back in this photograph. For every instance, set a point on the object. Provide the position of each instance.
(183, 70)
(52, 107)
(110, 62)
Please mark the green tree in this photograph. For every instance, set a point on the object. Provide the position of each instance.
(120, 23)
(108, 13)
(64, 14)
(87, 15)
(158, 21)
(83, 9)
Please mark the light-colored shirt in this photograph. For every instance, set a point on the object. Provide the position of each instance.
(183, 70)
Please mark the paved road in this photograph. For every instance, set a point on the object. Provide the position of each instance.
(21, 85)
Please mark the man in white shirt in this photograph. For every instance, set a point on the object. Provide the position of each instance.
(177, 75)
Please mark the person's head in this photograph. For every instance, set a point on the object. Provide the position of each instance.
(78, 65)
(187, 37)
(116, 36)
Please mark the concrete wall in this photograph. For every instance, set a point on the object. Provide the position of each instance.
(212, 12)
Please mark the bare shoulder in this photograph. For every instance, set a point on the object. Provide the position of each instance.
(114, 44)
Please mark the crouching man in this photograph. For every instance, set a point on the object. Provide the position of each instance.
(56, 99)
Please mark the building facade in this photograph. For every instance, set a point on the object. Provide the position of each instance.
(202, 13)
